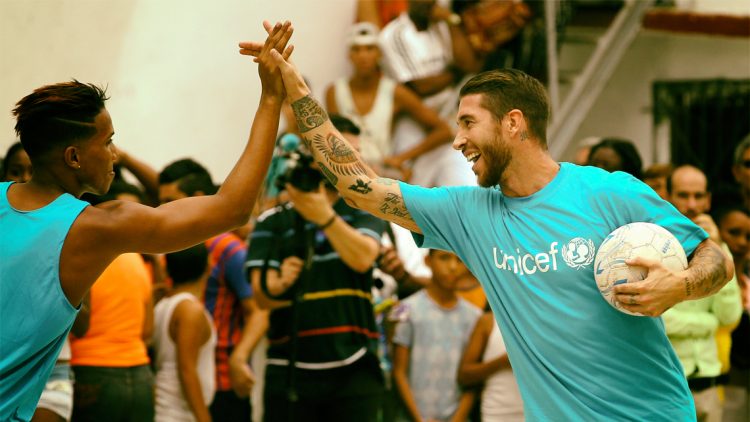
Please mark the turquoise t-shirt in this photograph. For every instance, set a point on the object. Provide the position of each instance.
(35, 315)
(574, 355)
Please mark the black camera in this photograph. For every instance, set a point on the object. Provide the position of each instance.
(299, 172)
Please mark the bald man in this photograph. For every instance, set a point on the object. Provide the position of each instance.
(688, 191)
(692, 325)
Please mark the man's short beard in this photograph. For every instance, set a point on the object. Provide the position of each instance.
(496, 158)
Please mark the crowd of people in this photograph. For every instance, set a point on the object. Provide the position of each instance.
(162, 284)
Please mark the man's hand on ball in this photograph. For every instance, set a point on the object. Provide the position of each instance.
(659, 291)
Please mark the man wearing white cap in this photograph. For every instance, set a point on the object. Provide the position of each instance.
(373, 101)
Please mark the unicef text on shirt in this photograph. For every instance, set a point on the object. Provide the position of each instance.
(577, 253)
(527, 263)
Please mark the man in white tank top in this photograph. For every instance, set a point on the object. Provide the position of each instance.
(372, 101)
(184, 341)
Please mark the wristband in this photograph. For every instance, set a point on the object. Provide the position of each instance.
(328, 223)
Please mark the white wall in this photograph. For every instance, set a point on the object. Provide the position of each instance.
(624, 107)
(178, 86)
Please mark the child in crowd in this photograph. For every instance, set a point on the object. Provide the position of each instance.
(485, 361)
(184, 341)
(432, 332)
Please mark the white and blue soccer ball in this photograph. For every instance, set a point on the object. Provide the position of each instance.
(629, 241)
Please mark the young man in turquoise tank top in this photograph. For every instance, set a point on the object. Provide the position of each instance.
(54, 247)
(575, 356)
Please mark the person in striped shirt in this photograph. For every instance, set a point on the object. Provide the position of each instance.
(322, 356)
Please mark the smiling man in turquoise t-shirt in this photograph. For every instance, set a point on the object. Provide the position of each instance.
(575, 356)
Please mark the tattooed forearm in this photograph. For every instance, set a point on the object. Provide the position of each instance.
(328, 174)
(361, 187)
(309, 114)
(341, 158)
(394, 205)
(707, 271)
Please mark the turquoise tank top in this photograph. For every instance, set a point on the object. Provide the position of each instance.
(35, 315)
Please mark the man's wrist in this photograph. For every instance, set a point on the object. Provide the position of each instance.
(271, 99)
(237, 358)
(327, 223)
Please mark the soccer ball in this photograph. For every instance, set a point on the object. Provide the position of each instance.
(629, 241)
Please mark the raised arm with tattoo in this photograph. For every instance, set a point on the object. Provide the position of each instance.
(339, 162)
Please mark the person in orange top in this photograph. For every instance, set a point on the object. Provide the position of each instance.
(110, 361)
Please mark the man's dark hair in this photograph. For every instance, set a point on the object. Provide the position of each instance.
(57, 115)
(506, 89)
(179, 169)
(194, 183)
(727, 199)
(630, 159)
(12, 151)
(344, 125)
(188, 265)
(658, 170)
(190, 175)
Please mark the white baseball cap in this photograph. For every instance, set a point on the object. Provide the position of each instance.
(363, 33)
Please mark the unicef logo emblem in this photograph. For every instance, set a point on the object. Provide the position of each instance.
(578, 253)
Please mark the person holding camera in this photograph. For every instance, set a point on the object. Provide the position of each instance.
(310, 262)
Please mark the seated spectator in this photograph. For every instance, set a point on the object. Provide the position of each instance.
(184, 341)
(615, 154)
(372, 101)
(432, 333)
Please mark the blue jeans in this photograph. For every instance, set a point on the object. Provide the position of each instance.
(113, 394)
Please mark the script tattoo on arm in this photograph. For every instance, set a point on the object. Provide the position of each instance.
(341, 158)
(708, 273)
(309, 114)
(394, 205)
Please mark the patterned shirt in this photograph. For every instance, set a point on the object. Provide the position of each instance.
(436, 338)
(227, 287)
(335, 325)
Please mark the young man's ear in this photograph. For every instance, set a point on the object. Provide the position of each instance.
(71, 157)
